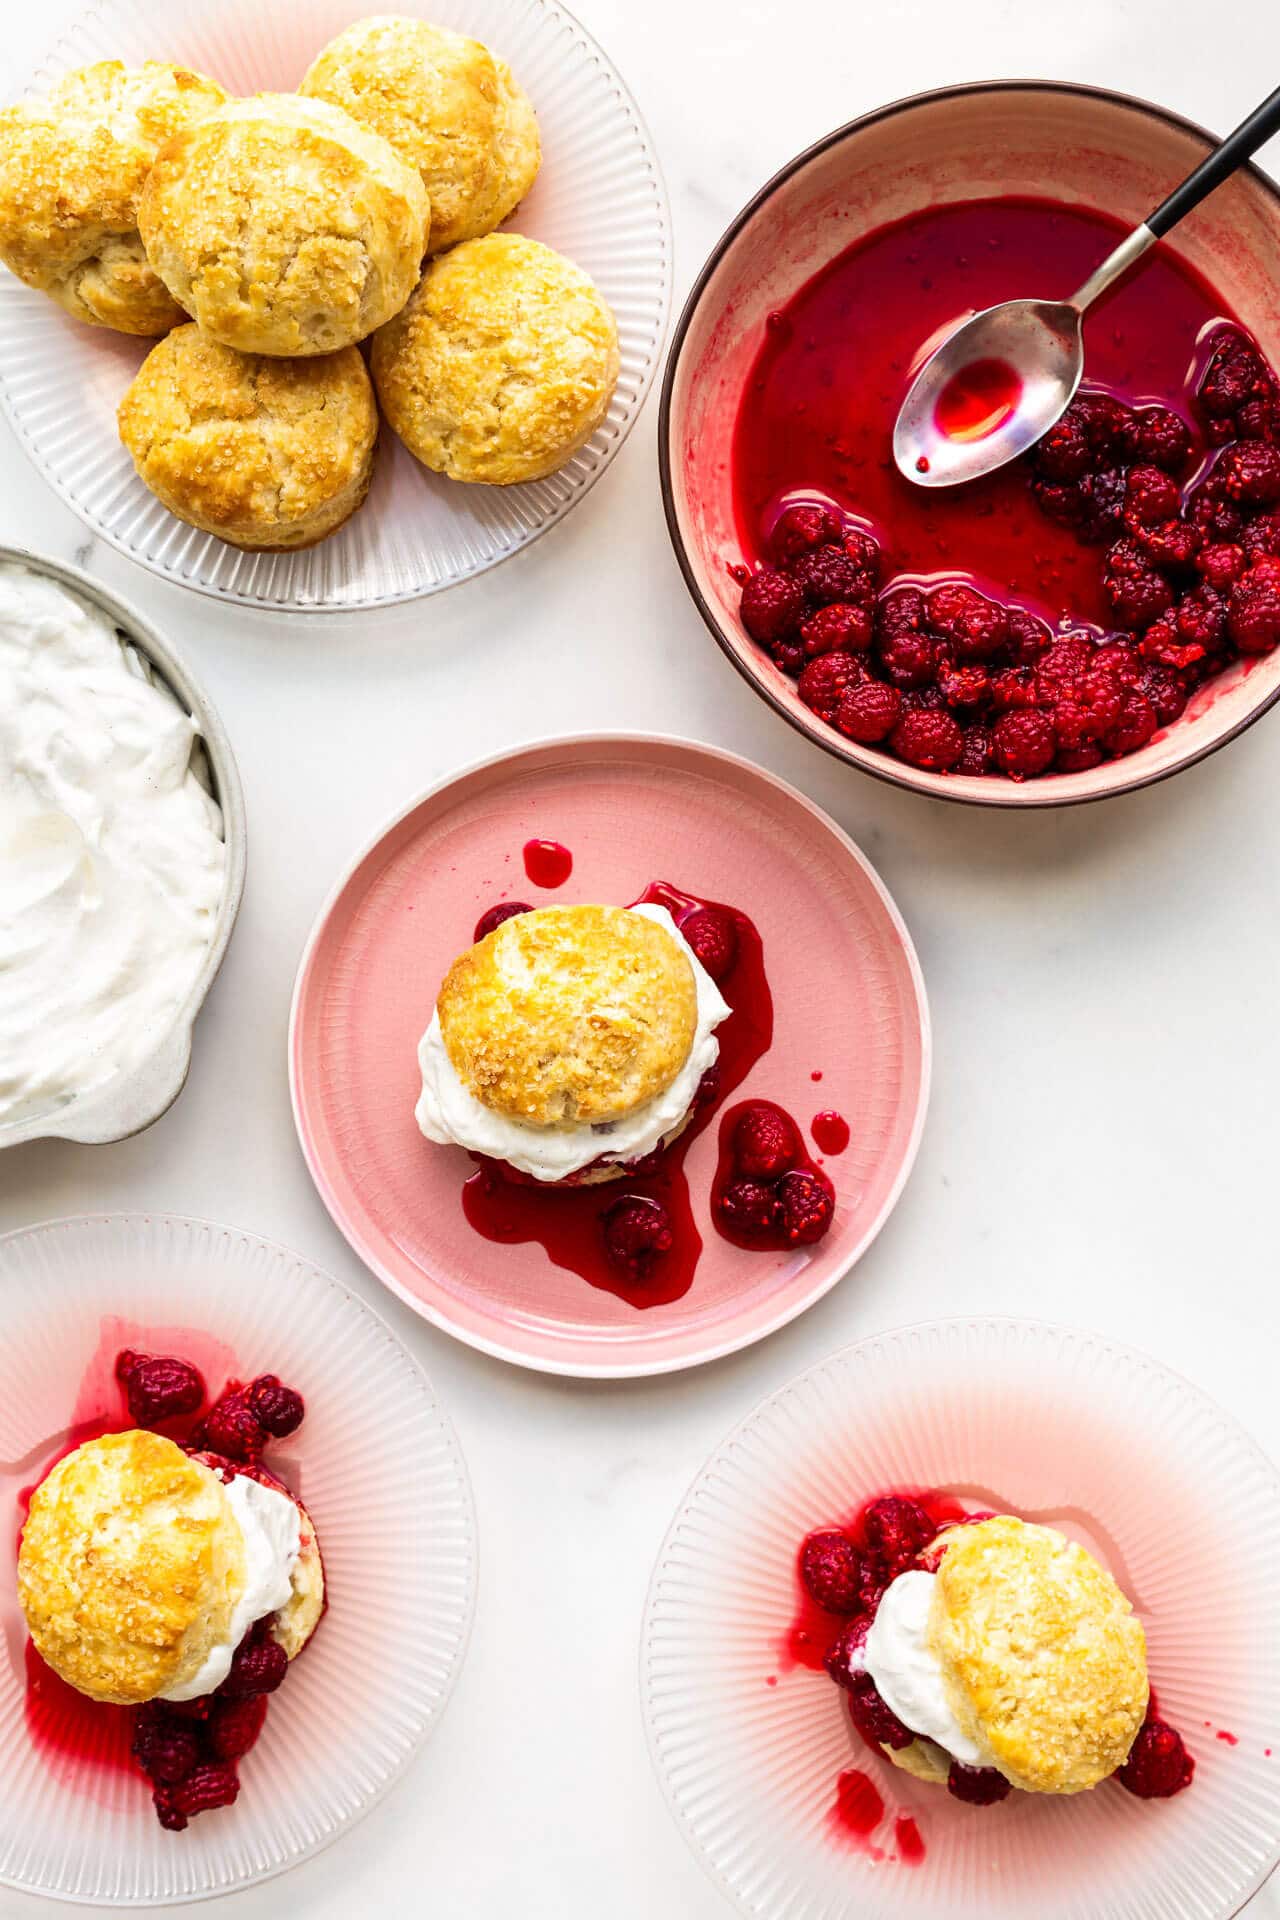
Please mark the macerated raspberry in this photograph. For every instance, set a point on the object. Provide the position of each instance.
(1150, 497)
(1261, 538)
(637, 1235)
(213, 1785)
(1253, 610)
(1135, 726)
(1201, 621)
(1108, 424)
(975, 756)
(830, 1568)
(826, 680)
(280, 1411)
(873, 1719)
(965, 687)
(1023, 743)
(1018, 687)
(808, 1207)
(1069, 656)
(1160, 437)
(908, 659)
(1137, 593)
(868, 712)
(1217, 517)
(258, 1665)
(1064, 453)
(839, 627)
(1119, 657)
(789, 655)
(977, 1786)
(929, 740)
(772, 606)
(158, 1386)
(505, 910)
(828, 574)
(708, 1089)
(1101, 505)
(1077, 759)
(165, 1747)
(799, 529)
(1028, 637)
(1172, 546)
(1158, 1765)
(975, 627)
(714, 939)
(1089, 708)
(895, 1531)
(843, 1658)
(1163, 644)
(750, 1208)
(231, 1427)
(1164, 693)
(864, 552)
(1222, 563)
(765, 1142)
(235, 1725)
(1237, 396)
(1249, 473)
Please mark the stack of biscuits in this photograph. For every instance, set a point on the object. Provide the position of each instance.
(265, 238)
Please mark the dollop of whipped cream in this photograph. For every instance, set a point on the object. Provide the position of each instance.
(449, 1113)
(906, 1672)
(112, 860)
(271, 1525)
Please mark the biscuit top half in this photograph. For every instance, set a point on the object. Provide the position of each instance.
(570, 1016)
(1041, 1654)
(131, 1565)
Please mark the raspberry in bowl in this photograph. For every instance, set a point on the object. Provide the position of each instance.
(995, 1537)
(1086, 621)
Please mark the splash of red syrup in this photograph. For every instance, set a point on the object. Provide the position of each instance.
(857, 1811)
(565, 1221)
(547, 863)
(909, 1841)
(977, 400)
(1231, 1739)
(830, 1132)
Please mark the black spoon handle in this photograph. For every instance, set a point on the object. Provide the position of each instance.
(1223, 161)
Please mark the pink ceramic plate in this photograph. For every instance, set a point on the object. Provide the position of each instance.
(848, 1001)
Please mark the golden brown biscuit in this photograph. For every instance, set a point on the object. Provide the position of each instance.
(298, 1619)
(283, 226)
(501, 365)
(72, 168)
(130, 1567)
(1042, 1658)
(264, 453)
(569, 1016)
(447, 105)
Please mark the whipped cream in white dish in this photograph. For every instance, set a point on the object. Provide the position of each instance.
(271, 1525)
(450, 1114)
(112, 860)
(907, 1674)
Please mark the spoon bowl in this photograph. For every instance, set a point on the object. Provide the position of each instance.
(991, 390)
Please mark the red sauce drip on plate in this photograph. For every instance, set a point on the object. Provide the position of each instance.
(565, 1221)
(858, 1808)
(909, 1842)
(830, 1132)
(977, 400)
(547, 863)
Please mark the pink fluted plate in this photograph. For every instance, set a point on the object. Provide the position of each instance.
(1057, 1426)
(849, 1006)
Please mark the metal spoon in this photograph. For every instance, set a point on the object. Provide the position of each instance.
(1000, 380)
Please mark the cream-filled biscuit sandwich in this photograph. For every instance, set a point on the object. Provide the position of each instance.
(142, 1567)
(1019, 1653)
(570, 1042)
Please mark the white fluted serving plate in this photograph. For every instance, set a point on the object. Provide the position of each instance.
(1059, 1426)
(379, 1468)
(599, 198)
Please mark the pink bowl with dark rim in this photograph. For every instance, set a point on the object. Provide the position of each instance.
(1077, 144)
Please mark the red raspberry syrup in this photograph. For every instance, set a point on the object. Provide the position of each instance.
(977, 400)
(568, 1221)
(830, 1132)
(547, 863)
(1053, 615)
(87, 1743)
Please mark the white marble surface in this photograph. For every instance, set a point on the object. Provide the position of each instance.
(1103, 1136)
